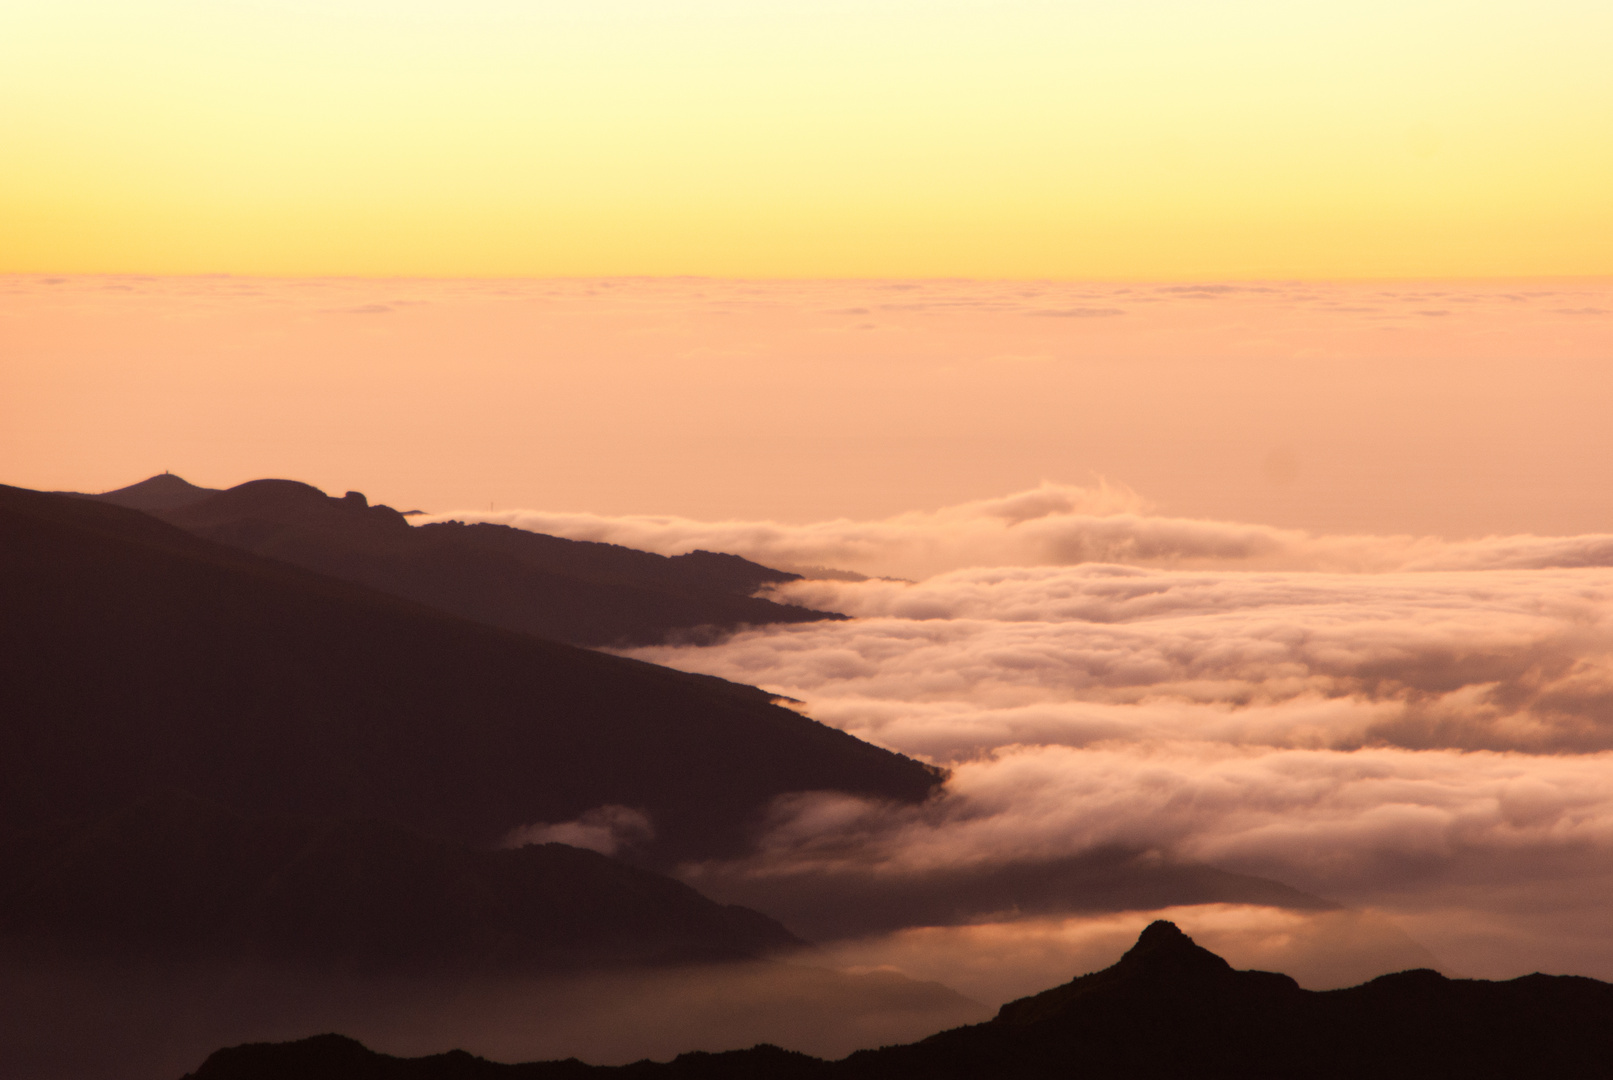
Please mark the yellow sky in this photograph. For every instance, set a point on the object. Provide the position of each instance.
(1153, 139)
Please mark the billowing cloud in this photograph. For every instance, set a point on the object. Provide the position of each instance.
(973, 660)
(1496, 862)
(1342, 824)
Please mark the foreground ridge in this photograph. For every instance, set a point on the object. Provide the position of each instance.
(1167, 1009)
(136, 658)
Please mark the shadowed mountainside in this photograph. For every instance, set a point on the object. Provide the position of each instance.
(569, 590)
(175, 878)
(137, 658)
(1167, 1009)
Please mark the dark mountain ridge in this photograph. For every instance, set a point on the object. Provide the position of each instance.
(1167, 1009)
(568, 590)
(165, 491)
(136, 658)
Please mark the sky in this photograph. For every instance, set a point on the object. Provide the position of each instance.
(1162, 139)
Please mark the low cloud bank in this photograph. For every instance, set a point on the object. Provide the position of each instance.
(998, 961)
(1132, 703)
(1435, 746)
(1345, 825)
(1053, 525)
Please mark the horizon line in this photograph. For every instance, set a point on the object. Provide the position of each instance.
(782, 278)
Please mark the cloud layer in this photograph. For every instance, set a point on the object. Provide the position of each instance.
(968, 661)
(1432, 741)
(1053, 525)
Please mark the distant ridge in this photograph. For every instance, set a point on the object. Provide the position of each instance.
(165, 491)
(569, 590)
(1168, 1010)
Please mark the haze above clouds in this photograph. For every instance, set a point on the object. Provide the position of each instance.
(1453, 408)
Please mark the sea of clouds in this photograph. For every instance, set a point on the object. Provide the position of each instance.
(1418, 730)
(1055, 525)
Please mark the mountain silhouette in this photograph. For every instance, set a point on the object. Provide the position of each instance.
(1168, 1010)
(165, 491)
(136, 658)
(568, 590)
(174, 877)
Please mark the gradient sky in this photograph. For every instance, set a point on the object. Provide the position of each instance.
(1152, 139)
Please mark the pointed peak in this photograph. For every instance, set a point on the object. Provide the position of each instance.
(1162, 944)
(1161, 933)
(165, 491)
(1163, 958)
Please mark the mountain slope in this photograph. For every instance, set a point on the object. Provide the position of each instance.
(1168, 1009)
(568, 590)
(136, 658)
(179, 878)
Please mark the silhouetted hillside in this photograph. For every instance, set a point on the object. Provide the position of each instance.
(568, 590)
(1168, 1009)
(164, 491)
(175, 877)
(334, 1057)
(136, 658)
